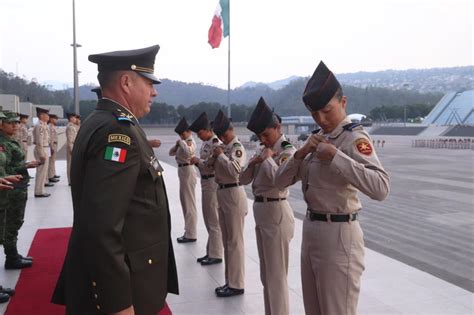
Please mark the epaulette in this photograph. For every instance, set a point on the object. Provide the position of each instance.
(351, 126)
(315, 131)
(122, 117)
(237, 144)
(286, 144)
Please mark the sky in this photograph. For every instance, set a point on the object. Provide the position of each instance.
(270, 39)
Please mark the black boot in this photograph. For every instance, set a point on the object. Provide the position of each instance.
(4, 297)
(14, 260)
(8, 291)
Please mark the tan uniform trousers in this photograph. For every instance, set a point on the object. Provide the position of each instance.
(211, 218)
(52, 165)
(187, 196)
(232, 211)
(41, 173)
(275, 226)
(68, 159)
(332, 262)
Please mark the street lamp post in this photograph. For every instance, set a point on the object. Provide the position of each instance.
(74, 48)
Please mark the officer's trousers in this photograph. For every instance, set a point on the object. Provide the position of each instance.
(187, 196)
(210, 205)
(332, 262)
(275, 226)
(232, 211)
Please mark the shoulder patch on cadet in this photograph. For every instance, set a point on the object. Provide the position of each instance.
(351, 126)
(286, 145)
(238, 153)
(117, 137)
(363, 146)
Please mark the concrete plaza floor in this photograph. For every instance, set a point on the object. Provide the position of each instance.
(388, 286)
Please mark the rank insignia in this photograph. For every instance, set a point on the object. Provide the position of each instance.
(116, 137)
(363, 146)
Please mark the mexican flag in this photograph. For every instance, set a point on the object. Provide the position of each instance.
(115, 154)
(220, 24)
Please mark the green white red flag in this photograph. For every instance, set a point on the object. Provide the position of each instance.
(220, 24)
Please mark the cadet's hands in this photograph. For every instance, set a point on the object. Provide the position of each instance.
(255, 160)
(154, 143)
(326, 151)
(266, 153)
(32, 164)
(194, 160)
(127, 311)
(217, 151)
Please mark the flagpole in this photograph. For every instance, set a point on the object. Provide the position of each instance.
(228, 71)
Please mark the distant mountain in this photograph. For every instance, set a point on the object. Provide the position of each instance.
(56, 85)
(275, 85)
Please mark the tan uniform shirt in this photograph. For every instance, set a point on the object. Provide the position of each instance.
(332, 186)
(53, 137)
(230, 164)
(263, 174)
(71, 133)
(184, 151)
(206, 160)
(41, 139)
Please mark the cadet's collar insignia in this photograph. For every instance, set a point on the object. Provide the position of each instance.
(363, 146)
(115, 154)
(116, 137)
(238, 153)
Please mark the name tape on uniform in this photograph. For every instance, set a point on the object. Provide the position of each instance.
(116, 137)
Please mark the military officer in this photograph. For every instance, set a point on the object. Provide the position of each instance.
(274, 220)
(42, 151)
(13, 217)
(22, 136)
(53, 141)
(184, 150)
(230, 160)
(71, 133)
(334, 164)
(202, 127)
(120, 258)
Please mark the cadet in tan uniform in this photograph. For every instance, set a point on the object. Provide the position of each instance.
(230, 160)
(53, 140)
(71, 133)
(334, 165)
(274, 220)
(42, 151)
(184, 151)
(23, 134)
(202, 127)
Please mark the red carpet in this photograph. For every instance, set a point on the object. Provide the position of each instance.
(36, 284)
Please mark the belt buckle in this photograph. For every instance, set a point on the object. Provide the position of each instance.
(328, 218)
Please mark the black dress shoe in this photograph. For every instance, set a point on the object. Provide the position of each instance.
(53, 180)
(57, 176)
(48, 185)
(4, 297)
(222, 287)
(8, 291)
(228, 292)
(42, 196)
(211, 261)
(17, 263)
(184, 239)
(202, 258)
(25, 258)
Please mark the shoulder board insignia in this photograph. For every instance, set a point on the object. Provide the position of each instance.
(351, 126)
(286, 145)
(315, 131)
(124, 118)
(237, 144)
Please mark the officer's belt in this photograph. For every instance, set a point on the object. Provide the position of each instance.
(46, 146)
(313, 216)
(267, 199)
(207, 176)
(222, 186)
(183, 164)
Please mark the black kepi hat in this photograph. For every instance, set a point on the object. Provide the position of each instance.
(182, 126)
(40, 110)
(202, 122)
(69, 115)
(261, 117)
(221, 123)
(320, 89)
(141, 61)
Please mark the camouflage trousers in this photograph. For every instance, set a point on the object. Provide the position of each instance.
(12, 214)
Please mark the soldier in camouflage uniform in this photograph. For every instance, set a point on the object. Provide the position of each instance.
(13, 212)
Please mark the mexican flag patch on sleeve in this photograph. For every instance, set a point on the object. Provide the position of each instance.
(115, 154)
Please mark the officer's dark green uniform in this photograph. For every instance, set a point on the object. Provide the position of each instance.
(13, 216)
(120, 252)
